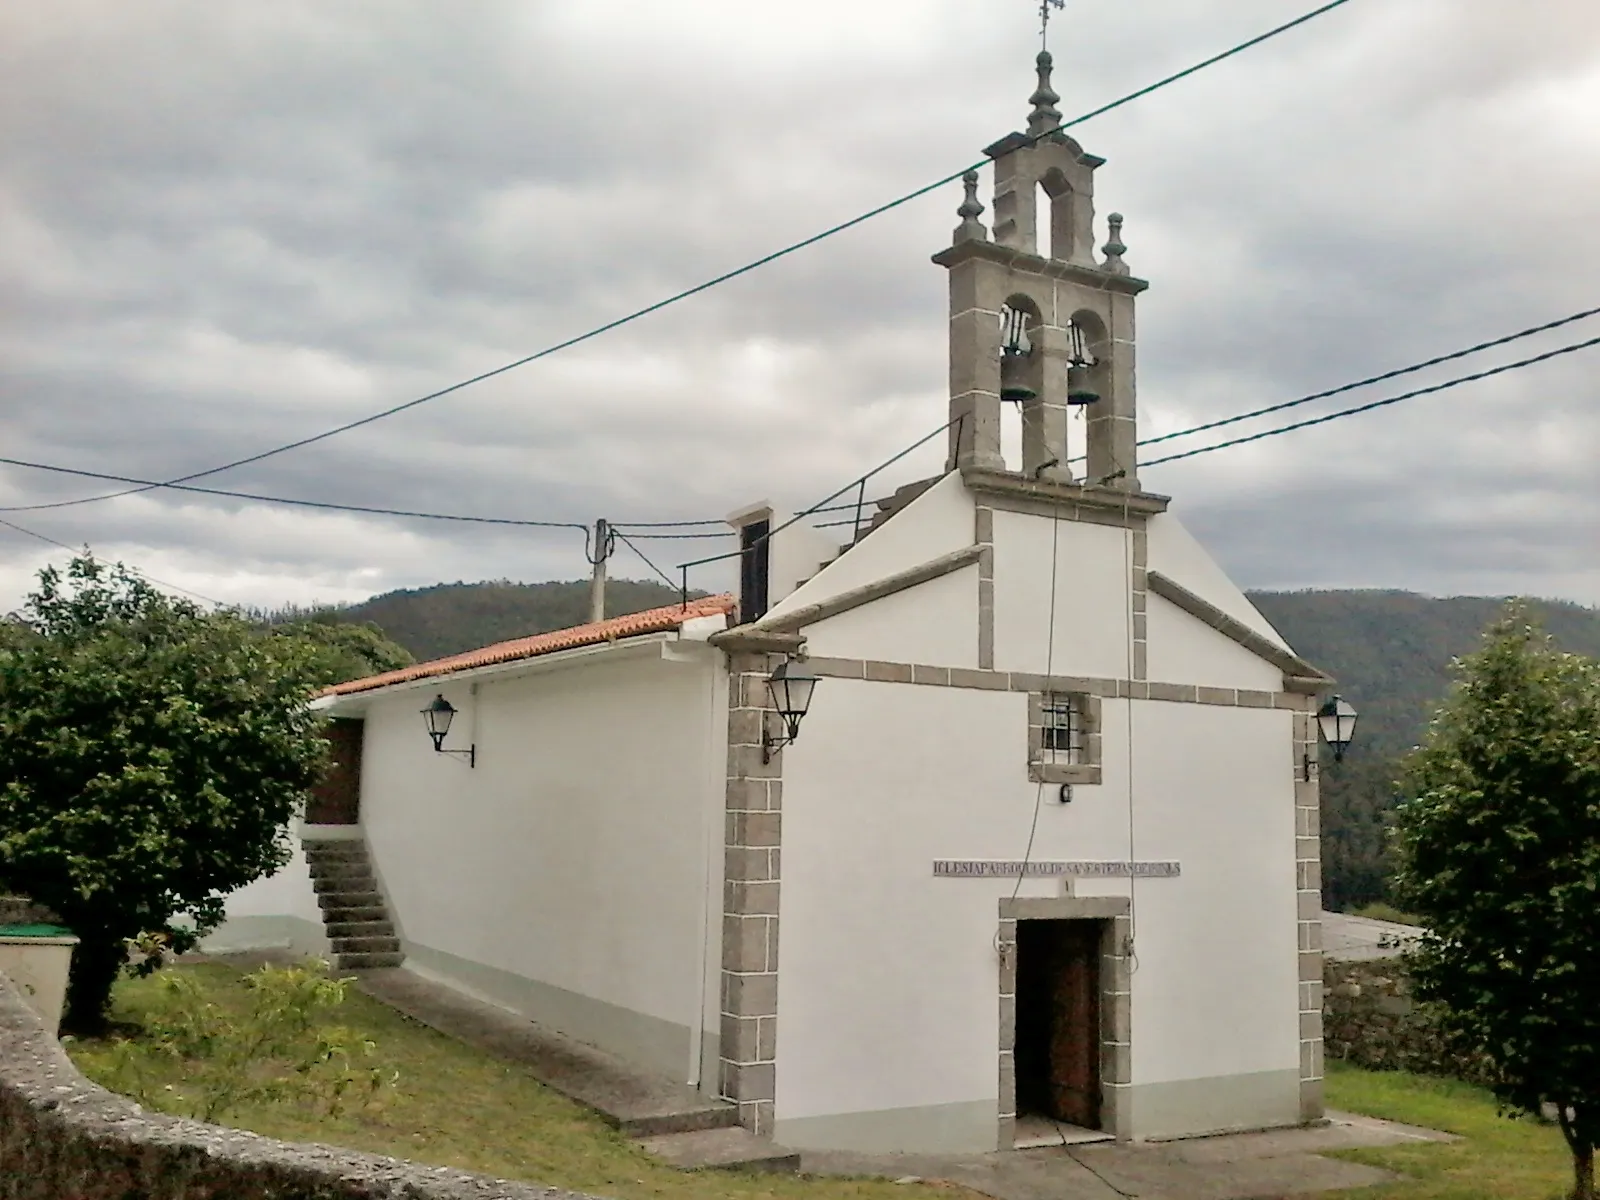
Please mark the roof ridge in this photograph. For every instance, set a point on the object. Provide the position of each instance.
(651, 620)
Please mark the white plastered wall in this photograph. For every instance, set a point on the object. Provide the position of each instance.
(565, 876)
(936, 523)
(1175, 553)
(888, 983)
(279, 912)
(1091, 596)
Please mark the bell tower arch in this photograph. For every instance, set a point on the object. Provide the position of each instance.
(1046, 332)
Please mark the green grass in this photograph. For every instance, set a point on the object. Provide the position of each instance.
(1497, 1157)
(1379, 911)
(456, 1106)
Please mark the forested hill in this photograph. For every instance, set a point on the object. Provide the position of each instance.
(1390, 651)
(449, 618)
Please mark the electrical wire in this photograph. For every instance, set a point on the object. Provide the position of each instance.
(1371, 379)
(322, 504)
(718, 280)
(134, 570)
(645, 559)
(1375, 404)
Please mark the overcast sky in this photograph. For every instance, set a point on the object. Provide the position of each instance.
(226, 226)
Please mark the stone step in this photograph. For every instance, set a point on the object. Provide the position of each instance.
(697, 1116)
(343, 914)
(733, 1148)
(359, 898)
(337, 884)
(335, 851)
(375, 926)
(367, 962)
(365, 945)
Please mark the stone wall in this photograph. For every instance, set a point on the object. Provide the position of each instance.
(64, 1138)
(1370, 1019)
(19, 910)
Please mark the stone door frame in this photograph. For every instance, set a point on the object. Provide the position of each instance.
(1116, 1043)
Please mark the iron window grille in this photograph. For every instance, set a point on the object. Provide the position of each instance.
(1063, 727)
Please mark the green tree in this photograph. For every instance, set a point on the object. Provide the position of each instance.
(151, 756)
(339, 650)
(1499, 849)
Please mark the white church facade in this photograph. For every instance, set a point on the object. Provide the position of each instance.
(1046, 842)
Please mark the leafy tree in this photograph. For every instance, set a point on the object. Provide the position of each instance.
(1499, 846)
(338, 650)
(150, 757)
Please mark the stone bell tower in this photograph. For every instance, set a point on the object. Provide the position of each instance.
(1048, 331)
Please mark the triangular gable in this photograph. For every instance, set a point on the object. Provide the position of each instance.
(1298, 674)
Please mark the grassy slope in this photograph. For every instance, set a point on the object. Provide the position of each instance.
(455, 1106)
(1497, 1157)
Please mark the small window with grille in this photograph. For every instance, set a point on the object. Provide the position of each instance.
(1062, 731)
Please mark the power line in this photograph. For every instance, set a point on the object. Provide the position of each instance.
(321, 504)
(1371, 379)
(629, 544)
(1361, 408)
(142, 575)
(716, 281)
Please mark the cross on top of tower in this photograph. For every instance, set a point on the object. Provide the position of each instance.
(1044, 20)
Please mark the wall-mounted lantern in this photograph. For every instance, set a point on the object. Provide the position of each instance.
(1015, 350)
(790, 686)
(437, 716)
(1079, 390)
(1336, 721)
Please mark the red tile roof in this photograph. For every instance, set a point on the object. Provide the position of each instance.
(655, 620)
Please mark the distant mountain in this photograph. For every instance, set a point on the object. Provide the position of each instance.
(1391, 651)
(449, 618)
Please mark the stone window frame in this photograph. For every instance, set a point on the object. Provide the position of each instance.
(1087, 768)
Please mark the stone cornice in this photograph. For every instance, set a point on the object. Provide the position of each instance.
(1004, 484)
(751, 639)
(855, 597)
(1298, 674)
(1036, 264)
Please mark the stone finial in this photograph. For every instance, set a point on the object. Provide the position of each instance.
(1045, 116)
(1114, 249)
(971, 229)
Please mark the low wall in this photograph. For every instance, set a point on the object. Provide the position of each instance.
(64, 1138)
(1370, 1019)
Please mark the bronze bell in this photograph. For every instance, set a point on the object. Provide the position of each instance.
(1015, 351)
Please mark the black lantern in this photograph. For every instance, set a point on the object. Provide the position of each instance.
(1079, 390)
(791, 686)
(437, 716)
(1337, 721)
(1015, 350)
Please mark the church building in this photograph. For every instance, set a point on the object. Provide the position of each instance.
(1034, 842)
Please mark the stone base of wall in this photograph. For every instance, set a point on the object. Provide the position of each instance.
(1370, 1019)
(64, 1138)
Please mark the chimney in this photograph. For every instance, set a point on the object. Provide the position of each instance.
(754, 524)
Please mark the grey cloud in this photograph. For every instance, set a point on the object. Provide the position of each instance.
(222, 228)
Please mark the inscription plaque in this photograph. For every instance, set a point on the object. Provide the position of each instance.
(988, 868)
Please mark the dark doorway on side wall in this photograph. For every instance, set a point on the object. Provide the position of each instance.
(336, 799)
(1057, 1050)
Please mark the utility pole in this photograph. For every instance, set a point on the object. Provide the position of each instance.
(597, 582)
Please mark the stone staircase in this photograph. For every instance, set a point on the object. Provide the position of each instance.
(353, 912)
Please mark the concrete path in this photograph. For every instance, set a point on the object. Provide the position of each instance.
(1229, 1167)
